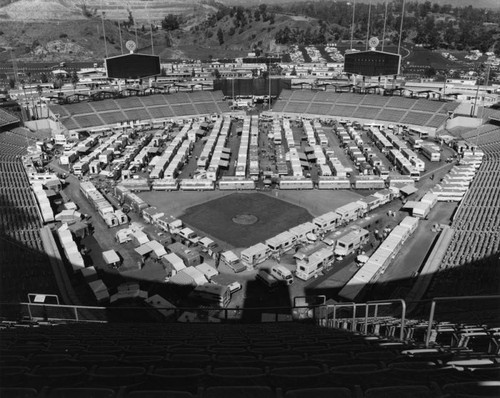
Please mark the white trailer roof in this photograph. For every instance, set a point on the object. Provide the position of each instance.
(207, 270)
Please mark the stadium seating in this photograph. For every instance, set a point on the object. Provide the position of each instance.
(327, 96)
(318, 108)
(426, 106)
(302, 95)
(343, 110)
(437, 120)
(417, 118)
(365, 112)
(80, 108)
(105, 105)
(153, 100)
(296, 107)
(95, 114)
(201, 96)
(391, 115)
(203, 108)
(347, 98)
(184, 109)
(160, 112)
(129, 102)
(88, 120)
(59, 110)
(137, 114)
(400, 103)
(375, 100)
(108, 118)
(355, 367)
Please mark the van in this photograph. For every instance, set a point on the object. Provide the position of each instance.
(234, 287)
(282, 273)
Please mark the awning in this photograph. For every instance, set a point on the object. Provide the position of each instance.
(408, 190)
(225, 156)
(224, 164)
(308, 149)
(143, 249)
(304, 164)
(411, 204)
(302, 155)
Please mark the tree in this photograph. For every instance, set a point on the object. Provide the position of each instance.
(220, 36)
(131, 21)
(256, 14)
(430, 72)
(170, 22)
(216, 73)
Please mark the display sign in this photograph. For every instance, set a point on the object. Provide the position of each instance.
(372, 63)
(132, 66)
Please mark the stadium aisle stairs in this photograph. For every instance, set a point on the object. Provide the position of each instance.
(291, 360)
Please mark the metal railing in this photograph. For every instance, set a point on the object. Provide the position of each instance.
(324, 318)
(436, 300)
(355, 317)
(77, 313)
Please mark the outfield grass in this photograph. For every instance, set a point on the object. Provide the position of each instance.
(274, 216)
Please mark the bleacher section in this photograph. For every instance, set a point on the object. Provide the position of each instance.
(420, 112)
(105, 105)
(25, 267)
(88, 120)
(7, 118)
(112, 111)
(268, 360)
(477, 220)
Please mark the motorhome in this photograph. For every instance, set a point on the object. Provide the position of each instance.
(212, 293)
(310, 266)
(281, 273)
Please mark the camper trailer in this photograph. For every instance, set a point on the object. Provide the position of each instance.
(281, 273)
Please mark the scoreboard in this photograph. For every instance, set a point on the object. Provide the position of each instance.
(372, 63)
(132, 66)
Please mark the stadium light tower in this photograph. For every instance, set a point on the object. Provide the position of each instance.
(104, 31)
(352, 22)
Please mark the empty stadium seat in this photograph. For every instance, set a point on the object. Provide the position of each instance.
(326, 392)
(240, 391)
(183, 379)
(18, 392)
(399, 392)
(489, 389)
(81, 392)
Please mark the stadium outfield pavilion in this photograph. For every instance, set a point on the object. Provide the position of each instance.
(442, 347)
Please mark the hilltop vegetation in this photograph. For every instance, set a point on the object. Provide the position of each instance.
(210, 29)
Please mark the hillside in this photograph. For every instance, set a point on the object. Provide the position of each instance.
(63, 10)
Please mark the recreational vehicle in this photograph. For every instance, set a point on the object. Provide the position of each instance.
(281, 273)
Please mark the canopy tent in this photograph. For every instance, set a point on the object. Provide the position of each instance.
(408, 190)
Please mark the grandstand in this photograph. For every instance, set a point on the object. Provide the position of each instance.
(85, 115)
(7, 120)
(320, 349)
(477, 221)
(400, 110)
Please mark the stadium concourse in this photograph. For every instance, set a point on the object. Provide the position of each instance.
(316, 348)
